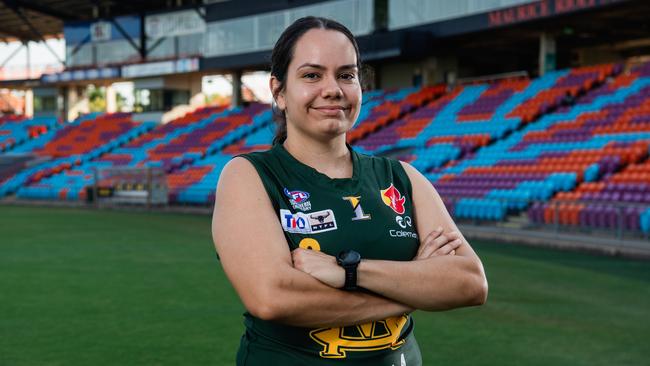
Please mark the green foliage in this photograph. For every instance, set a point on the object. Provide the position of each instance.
(97, 99)
(84, 287)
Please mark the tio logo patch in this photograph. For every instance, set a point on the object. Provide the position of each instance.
(311, 223)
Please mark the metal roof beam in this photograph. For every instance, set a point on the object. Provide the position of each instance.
(19, 12)
(12, 34)
(40, 8)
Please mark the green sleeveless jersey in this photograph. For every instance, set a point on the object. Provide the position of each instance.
(372, 213)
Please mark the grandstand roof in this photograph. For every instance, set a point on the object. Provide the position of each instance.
(32, 20)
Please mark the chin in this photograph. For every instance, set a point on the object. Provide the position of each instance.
(337, 127)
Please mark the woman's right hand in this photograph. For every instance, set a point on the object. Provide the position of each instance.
(438, 243)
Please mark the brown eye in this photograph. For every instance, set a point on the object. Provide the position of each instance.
(311, 76)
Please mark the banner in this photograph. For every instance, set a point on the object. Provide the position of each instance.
(160, 68)
(174, 24)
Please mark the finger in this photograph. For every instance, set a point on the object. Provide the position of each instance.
(453, 252)
(430, 237)
(448, 247)
(431, 246)
(426, 252)
(440, 241)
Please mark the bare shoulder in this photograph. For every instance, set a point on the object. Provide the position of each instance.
(239, 178)
(238, 169)
(418, 180)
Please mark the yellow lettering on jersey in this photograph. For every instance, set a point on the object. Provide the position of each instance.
(309, 243)
(355, 201)
(372, 336)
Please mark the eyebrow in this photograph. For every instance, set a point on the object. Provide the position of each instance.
(321, 67)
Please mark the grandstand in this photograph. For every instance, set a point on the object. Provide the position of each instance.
(560, 141)
(530, 118)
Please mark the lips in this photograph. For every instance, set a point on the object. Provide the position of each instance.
(331, 108)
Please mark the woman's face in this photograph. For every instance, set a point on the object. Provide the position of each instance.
(322, 94)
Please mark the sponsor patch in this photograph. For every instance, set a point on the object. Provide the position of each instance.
(308, 223)
(405, 223)
(299, 199)
(393, 199)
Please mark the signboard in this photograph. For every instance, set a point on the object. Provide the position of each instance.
(160, 68)
(100, 31)
(79, 75)
(174, 24)
(541, 9)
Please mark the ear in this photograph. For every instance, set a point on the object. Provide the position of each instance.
(277, 92)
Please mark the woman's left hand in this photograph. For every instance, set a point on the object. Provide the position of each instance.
(319, 265)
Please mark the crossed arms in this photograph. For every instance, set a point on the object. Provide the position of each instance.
(302, 287)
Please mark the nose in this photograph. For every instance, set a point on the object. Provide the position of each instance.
(331, 88)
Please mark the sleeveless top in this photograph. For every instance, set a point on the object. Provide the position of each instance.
(371, 212)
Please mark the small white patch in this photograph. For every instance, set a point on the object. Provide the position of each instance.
(308, 223)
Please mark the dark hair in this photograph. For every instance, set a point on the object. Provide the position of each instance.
(283, 54)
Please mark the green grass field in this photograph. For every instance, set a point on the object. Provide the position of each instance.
(83, 287)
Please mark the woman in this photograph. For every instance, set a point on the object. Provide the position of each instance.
(330, 250)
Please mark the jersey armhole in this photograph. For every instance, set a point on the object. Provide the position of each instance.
(261, 172)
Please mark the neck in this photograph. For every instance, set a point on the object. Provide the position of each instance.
(330, 157)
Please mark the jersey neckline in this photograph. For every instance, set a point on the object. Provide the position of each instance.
(315, 173)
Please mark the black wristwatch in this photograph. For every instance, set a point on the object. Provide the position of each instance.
(349, 260)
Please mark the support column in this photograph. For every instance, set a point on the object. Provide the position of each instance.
(111, 99)
(547, 53)
(29, 103)
(72, 97)
(236, 100)
(28, 64)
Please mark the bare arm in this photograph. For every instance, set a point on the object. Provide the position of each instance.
(256, 258)
(430, 282)
(436, 282)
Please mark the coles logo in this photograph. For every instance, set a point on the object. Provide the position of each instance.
(393, 199)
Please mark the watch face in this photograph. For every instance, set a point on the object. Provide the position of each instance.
(349, 257)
